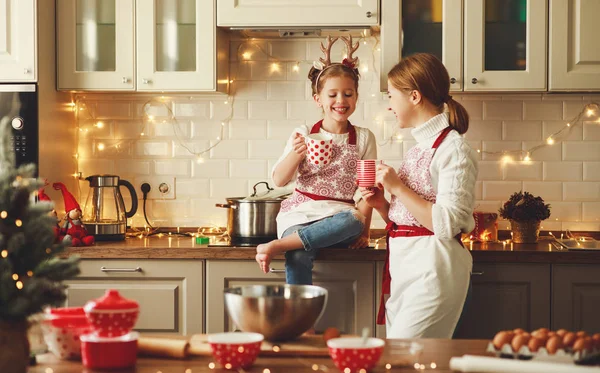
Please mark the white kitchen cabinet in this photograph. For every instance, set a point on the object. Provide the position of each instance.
(493, 45)
(574, 61)
(140, 45)
(18, 41)
(291, 13)
(350, 285)
(169, 292)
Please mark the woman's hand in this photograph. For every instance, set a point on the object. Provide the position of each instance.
(387, 178)
(299, 145)
(374, 197)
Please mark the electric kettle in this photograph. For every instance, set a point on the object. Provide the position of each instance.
(104, 214)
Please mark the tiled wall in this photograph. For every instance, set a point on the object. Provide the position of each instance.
(271, 99)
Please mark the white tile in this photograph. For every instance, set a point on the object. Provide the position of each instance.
(591, 171)
(282, 129)
(565, 211)
(581, 227)
(104, 131)
(170, 129)
(498, 147)
(490, 170)
(484, 130)
(240, 109)
(502, 110)
(548, 225)
(544, 110)
(285, 50)
(191, 148)
(127, 129)
(265, 149)
(113, 110)
(480, 97)
(390, 151)
(268, 71)
(487, 206)
(303, 110)
(221, 110)
(196, 109)
(172, 167)
(299, 73)
(561, 97)
(379, 110)
(521, 131)
(518, 171)
(474, 108)
(581, 191)
(571, 109)
(313, 50)
(163, 209)
(208, 130)
(286, 90)
(229, 149)
(500, 190)
(240, 70)
(591, 131)
(550, 128)
(249, 90)
(96, 166)
(522, 97)
(211, 215)
(591, 211)
(274, 110)
(192, 187)
(152, 148)
(132, 167)
(544, 153)
(223, 188)
(155, 108)
(248, 50)
(563, 171)
(247, 129)
(239, 169)
(210, 168)
(581, 150)
(548, 190)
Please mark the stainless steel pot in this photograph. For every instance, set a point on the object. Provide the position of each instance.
(249, 218)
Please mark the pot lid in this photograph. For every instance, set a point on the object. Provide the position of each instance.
(269, 195)
(110, 301)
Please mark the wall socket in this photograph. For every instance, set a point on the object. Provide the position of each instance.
(157, 183)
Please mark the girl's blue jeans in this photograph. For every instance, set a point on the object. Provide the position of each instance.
(340, 229)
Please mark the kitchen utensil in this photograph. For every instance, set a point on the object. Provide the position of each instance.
(163, 347)
(252, 218)
(235, 350)
(111, 315)
(62, 328)
(109, 353)
(349, 354)
(279, 312)
(104, 214)
(319, 148)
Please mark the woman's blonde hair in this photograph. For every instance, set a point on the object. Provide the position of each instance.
(425, 73)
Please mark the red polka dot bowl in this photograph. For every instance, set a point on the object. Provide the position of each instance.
(109, 353)
(112, 315)
(353, 355)
(62, 328)
(235, 350)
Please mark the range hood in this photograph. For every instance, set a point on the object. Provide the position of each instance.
(303, 32)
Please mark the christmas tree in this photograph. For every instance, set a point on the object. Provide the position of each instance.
(31, 274)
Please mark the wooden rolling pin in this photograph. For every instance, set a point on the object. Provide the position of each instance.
(163, 347)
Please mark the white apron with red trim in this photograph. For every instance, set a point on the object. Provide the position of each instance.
(429, 276)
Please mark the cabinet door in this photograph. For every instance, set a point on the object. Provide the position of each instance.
(350, 285)
(176, 45)
(95, 44)
(576, 297)
(169, 292)
(505, 45)
(18, 41)
(506, 296)
(414, 26)
(574, 50)
(275, 13)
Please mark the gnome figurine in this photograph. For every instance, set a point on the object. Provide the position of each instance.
(73, 230)
(43, 197)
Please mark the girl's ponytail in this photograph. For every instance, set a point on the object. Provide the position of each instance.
(457, 116)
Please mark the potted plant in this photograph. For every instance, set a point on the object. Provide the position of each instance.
(525, 212)
(30, 273)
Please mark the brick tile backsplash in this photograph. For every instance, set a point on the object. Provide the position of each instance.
(268, 100)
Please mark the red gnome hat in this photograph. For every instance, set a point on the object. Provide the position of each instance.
(70, 201)
(42, 196)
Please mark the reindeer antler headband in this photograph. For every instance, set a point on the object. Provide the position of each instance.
(325, 63)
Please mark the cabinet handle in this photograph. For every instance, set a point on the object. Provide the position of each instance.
(477, 273)
(369, 14)
(146, 81)
(26, 71)
(274, 270)
(474, 80)
(125, 80)
(452, 80)
(136, 269)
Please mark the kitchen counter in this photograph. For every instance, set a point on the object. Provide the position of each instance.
(186, 248)
(435, 350)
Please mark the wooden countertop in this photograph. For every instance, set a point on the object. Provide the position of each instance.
(435, 350)
(186, 248)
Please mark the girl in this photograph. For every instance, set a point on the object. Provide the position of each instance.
(322, 211)
(428, 270)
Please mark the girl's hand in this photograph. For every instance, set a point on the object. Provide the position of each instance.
(361, 242)
(299, 145)
(387, 178)
(373, 197)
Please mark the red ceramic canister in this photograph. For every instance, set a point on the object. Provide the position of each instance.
(111, 315)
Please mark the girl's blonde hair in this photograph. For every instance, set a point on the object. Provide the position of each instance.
(331, 71)
(425, 73)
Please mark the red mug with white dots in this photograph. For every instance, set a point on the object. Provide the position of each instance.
(319, 149)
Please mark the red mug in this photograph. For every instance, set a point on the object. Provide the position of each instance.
(365, 172)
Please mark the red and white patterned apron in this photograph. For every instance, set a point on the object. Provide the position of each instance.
(415, 174)
(335, 181)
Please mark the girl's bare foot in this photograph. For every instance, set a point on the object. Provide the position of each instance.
(263, 256)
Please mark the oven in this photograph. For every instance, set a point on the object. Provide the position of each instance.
(19, 108)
